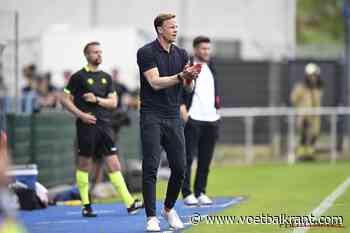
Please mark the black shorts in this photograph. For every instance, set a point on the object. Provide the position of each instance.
(95, 141)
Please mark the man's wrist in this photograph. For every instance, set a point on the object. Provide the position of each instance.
(79, 114)
(97, 100)
(180, 77)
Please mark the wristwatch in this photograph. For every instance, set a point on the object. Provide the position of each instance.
(97, 101)
(179, 77)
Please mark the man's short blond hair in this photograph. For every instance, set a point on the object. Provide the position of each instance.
(159, 20)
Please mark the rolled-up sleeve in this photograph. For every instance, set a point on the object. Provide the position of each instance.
(145, 59)
(72, 85)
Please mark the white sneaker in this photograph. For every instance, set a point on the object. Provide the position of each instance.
(152, 224)
(204, 200)
(173, 219)
(191, 200)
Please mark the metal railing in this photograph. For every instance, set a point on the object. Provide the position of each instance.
(250, 113)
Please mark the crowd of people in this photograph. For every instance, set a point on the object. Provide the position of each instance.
(39, 94)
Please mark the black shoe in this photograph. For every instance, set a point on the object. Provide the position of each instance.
(136, 206)
(88, 212)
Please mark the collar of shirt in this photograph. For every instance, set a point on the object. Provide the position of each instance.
(88, 69)
(160, 47)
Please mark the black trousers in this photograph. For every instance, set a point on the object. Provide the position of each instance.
(201, 137)
(169, 134)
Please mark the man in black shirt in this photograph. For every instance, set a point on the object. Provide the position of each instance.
(163, 75)
(90, 96)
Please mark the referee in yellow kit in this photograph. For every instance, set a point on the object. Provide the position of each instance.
(90, 96)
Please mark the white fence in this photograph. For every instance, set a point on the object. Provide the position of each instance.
(249, 114)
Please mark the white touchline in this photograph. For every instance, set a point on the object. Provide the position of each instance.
(185, 216)
(97, 212)
(61, 222)
(326, 203)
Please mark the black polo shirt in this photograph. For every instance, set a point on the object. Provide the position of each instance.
(98, 82)
(164, 103)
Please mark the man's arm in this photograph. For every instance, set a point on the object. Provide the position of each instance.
(110, 102)
(157, 83)
(67, 102)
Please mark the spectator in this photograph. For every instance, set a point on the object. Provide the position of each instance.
(123, 92)
(30, 75)
(120, 116)
(29, 94)
(47, 93)
(308, 94)
(66, 76)
(5, 104)
(3, 89)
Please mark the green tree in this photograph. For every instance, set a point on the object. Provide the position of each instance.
(320, 21)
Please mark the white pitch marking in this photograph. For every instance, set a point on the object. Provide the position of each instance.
(61, 222)
(184, 216)
(223, 205)
(97, 212)
(326, 203)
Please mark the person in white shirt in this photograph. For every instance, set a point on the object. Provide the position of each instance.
(199, 111)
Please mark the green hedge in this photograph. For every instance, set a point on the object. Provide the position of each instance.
(46, 139)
